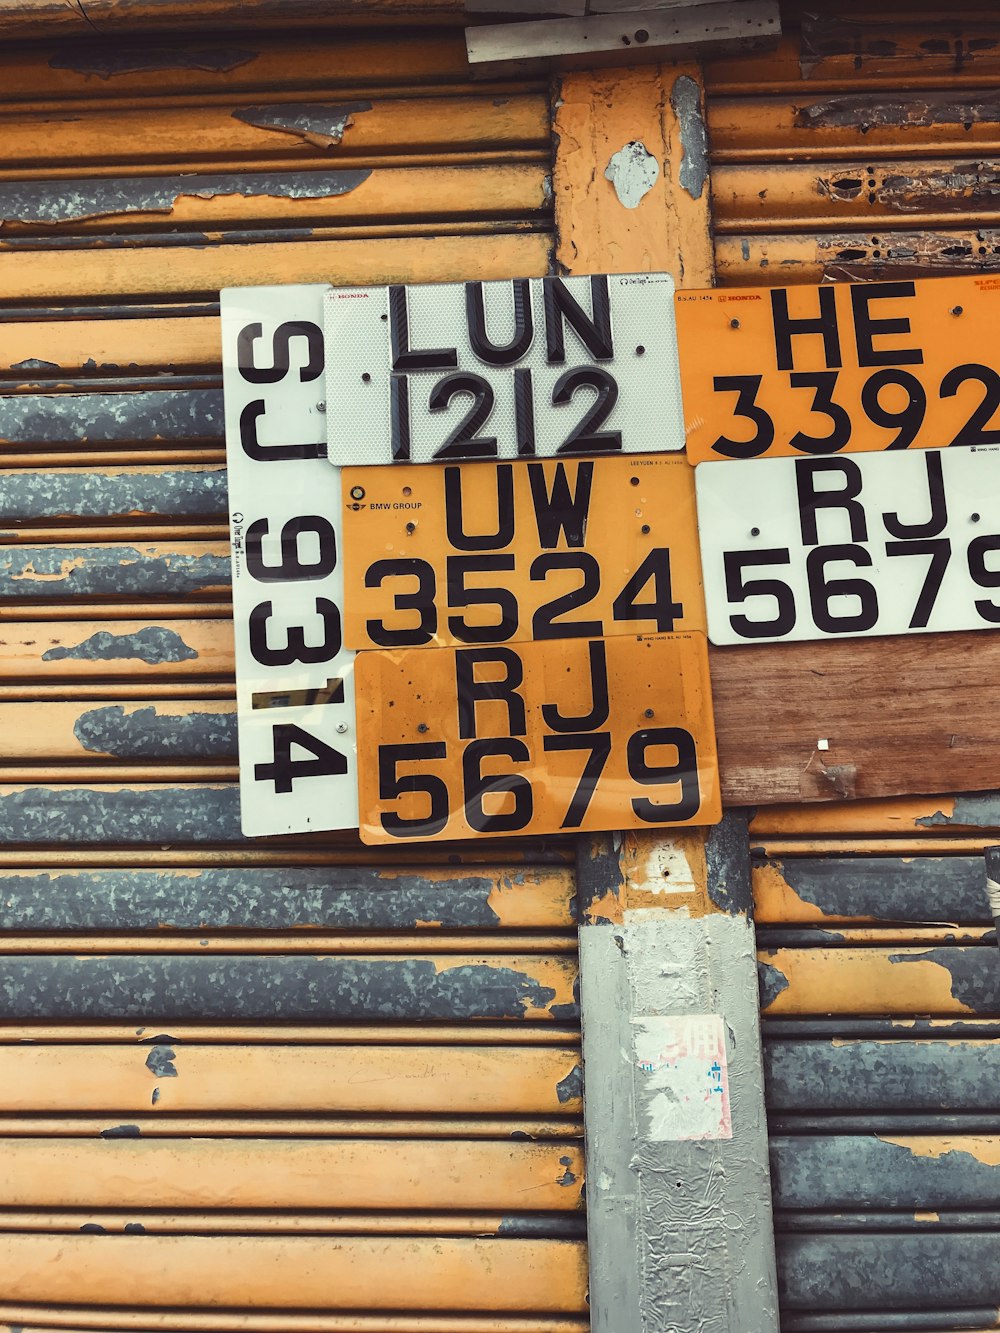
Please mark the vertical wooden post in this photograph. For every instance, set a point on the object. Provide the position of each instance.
(678, 1193)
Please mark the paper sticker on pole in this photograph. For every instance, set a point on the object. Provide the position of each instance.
(532, 368)
(811, 371)
(555, 549)
(294, 678)
(816, 548)
(533, 738)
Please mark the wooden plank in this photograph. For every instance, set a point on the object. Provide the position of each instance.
(882, 1076)
(274, 199)
(292, 1272)
(92, 650)
(879, 981)
(452, 988)
(373, 1174)
(137, 140)
(856, 194)
(753, 260)
(391, 1079)
(815, 126)
(190, 271)
(941, 731)
(817, 890)
(488, 898)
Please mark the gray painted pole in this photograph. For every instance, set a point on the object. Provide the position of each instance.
(678, 1185)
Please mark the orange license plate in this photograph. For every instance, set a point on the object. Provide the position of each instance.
(503, 552)
(840, 368)
(533, 738)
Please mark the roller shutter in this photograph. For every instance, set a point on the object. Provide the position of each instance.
(866, 147)
(880, 985)
(294, 1084)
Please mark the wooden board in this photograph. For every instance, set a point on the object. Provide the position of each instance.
(917, 713)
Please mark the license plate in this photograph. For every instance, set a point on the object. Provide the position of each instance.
(536, 738)
(584, 548)
(294, 681)
(853, 367)
(815, 548)
(536, 367)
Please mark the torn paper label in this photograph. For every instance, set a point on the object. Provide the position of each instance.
(682, 1081)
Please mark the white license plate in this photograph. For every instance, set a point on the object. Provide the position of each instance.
(294, 678)
(531, 368)
(863, 544)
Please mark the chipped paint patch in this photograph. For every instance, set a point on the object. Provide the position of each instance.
(776, 900)
(984, 1148)
(657, 866)
(685, 99)
(160, 1062)
(154, 645)
(51, 203)
(772, 982)
(570, 1088)
(633, 171)
(147, 733)
(322, 125)
(969, 811)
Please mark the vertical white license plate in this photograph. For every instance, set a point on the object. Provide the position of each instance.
(854, 545)
(294, 678)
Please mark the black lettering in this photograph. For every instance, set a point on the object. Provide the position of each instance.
(598, 714)
(455, 517)
(270, 453)
(866, 328)
(281, 340)
(939, 505)
(560, 513)
(499, 354)
(594, 333)
(403, 357)
(811, 499)
(786, 328)
(471, 691)
(399, 417)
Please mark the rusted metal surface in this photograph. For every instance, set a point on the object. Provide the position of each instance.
(92, 650)
(888, 1272)
(851, 194)
(810, 127)
(789, 257)
(869, 48)
(874, 980)
(112, 494)
(145, 573)
(882, 1171)
(836, 889)
(349, 898)
(161, 415)
(292, 988)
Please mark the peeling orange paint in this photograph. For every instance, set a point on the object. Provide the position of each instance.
(985, 1148)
